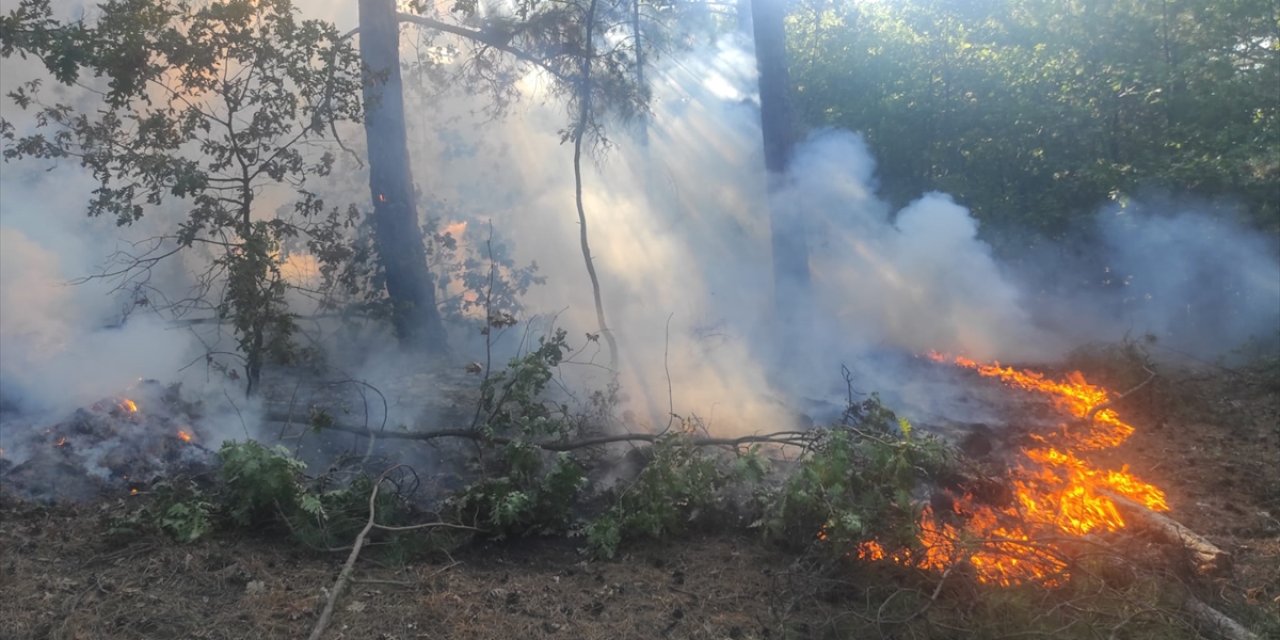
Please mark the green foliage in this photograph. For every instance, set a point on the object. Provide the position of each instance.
(678, 482)
(1037, 112)
(187, 521)
(205, 108)
(511, 402)
(523, 489)
(857, 483)
(262, 488)
(529, 502)
(477, 277)
(260, 482)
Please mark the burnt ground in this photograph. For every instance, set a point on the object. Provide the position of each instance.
(1210, 437)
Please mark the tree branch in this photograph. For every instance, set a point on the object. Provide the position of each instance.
(484, 38)
(786, 438)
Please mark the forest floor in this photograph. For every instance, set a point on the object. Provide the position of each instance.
(1210, 437)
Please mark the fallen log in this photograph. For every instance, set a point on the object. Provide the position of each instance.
(1217, 621)
(1207, 558)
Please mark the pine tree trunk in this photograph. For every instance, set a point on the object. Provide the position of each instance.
(790, 250)
(395, 214)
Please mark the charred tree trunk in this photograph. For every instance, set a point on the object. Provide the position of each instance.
(790, 250)
(395, 214)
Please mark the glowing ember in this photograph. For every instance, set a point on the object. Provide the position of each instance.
(62, 441)
(1055, 492)
(133, 492)
(184, 436)
(129, 405)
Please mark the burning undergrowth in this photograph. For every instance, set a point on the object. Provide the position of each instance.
(118, 445)
(1057, 493)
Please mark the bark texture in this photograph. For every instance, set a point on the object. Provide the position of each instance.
(395, 215)
(777, 123)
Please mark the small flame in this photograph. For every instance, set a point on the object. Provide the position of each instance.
(129, 405)
(133, 491)
(184, 436)
(62, 441)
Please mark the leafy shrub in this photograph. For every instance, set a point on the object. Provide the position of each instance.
(524, 503)
(260, 482)
(855, 484)
(523, 489)
(679, 482)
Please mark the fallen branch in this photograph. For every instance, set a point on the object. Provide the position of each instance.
(1088, 417)
(344, 576)
(1217, 621)
(1208, 558)
(786, 438)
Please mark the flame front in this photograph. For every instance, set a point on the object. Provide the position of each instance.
(1055, 492)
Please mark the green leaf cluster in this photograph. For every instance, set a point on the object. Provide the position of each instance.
(523, 489)
(678, 481)
(856, 484)
(1034, 113)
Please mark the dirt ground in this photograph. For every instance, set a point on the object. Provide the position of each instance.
(1210, 437)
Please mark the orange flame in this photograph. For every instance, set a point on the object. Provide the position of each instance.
(184, 436)
(1055, 492)
(62, 441)
(129, 405)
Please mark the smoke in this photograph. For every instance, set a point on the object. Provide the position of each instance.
(1186, 277)
(679, 228)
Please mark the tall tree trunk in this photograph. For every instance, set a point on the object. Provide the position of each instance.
(579, 132)
(395, 214)
(643, 133)
(790, 250)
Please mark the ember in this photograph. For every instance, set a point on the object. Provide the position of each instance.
(1056, 492)
(108, 448)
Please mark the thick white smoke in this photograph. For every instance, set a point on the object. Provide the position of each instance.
(679, 232)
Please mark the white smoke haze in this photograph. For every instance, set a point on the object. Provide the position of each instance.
(679, 233)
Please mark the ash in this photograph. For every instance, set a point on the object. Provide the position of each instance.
(115, 447)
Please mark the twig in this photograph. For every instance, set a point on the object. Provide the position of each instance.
(238, 415)
(345, 574)
(1105, 405)
(666, 346)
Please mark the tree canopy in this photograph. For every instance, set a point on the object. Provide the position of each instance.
(1033, 113)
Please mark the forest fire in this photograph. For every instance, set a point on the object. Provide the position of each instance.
(1056, 491)
(184, 436)
(128, 406)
